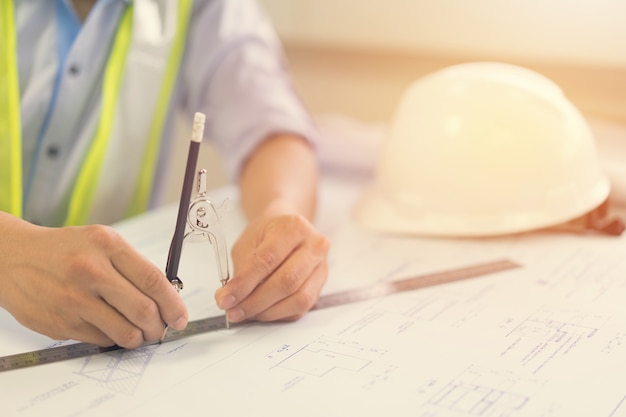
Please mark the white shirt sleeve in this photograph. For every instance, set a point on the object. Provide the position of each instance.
(235, 72)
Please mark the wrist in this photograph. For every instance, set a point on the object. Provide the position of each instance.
(280, 207)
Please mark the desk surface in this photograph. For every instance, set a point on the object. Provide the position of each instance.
(547, 339)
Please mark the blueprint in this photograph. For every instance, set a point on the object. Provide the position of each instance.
(547, 339)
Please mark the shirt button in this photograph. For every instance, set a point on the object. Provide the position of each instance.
(74, 69)
(53, 151)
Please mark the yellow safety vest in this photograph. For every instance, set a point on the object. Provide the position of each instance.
(121, 72)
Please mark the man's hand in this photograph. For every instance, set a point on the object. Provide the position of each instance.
(84, 283)
(280, 260)
(280, 267)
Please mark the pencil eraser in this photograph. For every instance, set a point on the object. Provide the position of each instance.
(198, 127)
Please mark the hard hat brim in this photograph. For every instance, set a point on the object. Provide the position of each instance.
(377, 212)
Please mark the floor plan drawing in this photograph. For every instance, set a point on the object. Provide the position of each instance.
(119, 371)
(483, 392)
(325, 356)
(550, 334)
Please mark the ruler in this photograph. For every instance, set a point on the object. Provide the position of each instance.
(78, 350)
(81, 349)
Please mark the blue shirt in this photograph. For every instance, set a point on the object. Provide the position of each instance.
(232, 70)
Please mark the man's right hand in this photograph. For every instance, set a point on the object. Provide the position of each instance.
(84, 283)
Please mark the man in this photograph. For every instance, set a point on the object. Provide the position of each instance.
(92, 90)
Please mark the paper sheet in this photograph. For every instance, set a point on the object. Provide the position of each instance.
(547, 339)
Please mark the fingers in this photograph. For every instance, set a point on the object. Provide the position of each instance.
(294, 306)
(90, 333)
(160, 299)
(105, 326)
(286, 295)
(262, 262)
(282, 278)
(137, 309)
(139, 297)
(91, 320)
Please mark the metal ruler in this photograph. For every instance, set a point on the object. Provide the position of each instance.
(78, 350)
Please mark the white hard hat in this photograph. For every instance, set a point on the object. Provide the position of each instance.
(482, 149)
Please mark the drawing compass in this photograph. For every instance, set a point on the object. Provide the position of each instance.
(203, 224)
(198, 218)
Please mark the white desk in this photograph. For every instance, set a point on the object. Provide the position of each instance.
(547, 339)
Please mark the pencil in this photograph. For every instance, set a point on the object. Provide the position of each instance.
(173, 258)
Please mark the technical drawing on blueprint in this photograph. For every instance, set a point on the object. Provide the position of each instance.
(544, 340)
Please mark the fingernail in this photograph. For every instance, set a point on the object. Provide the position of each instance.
(180, 323)
(163, 334)
(236, 314)
(227, 302)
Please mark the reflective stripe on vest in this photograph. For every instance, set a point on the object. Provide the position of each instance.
(117, 174)
(10, 125)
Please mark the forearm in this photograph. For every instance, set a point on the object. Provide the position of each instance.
(280, 259)
(280, 178)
